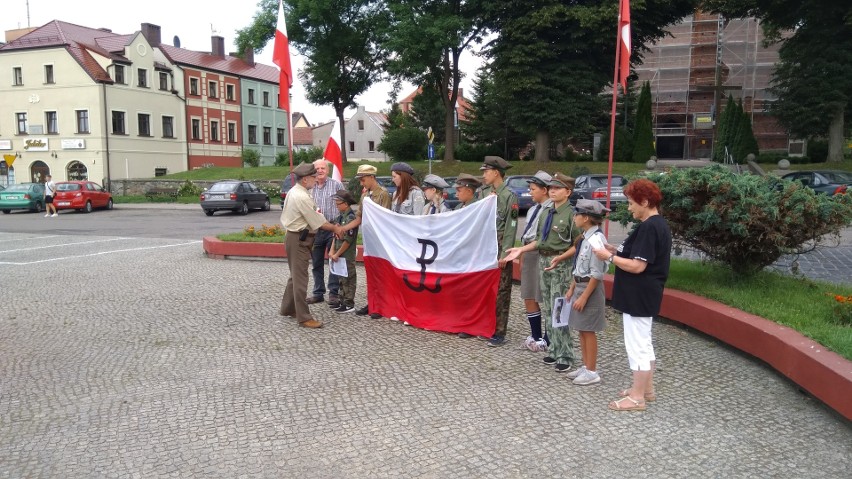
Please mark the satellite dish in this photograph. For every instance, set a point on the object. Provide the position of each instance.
(176, 41)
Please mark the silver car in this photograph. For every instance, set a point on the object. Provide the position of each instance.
(593, 187)
(234, 195)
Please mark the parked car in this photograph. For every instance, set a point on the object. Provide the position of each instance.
(387, 182)
(518, 184)
(451, 198)
(593, 187)
(829, 182)
(81, 196)
(286, 185)
(237, 196)
(22, 196)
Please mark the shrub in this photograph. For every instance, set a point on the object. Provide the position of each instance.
(818, 150)
(251, 157)
(475, 152)
(746, 222)
(404, 144)
(189, 188)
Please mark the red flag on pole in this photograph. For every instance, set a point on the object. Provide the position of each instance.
(332, 152)
(281, 57)
(624, 44)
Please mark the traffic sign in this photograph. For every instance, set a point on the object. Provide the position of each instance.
(431, 135)
(431, 151)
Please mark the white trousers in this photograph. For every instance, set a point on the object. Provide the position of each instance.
(637, 341)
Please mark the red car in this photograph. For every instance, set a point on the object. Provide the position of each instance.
(81, 196)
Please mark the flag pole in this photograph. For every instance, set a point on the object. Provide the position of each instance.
(612, 114)
(290, 132)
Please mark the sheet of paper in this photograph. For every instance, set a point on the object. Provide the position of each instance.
(561, 312)
(596, 241)
(338, 267)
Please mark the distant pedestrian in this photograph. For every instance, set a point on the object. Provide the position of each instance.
(433, 188)
(642, 268)
(49, 193)
(322, 193)
(300, 219)
(345, 248)
(408, 198)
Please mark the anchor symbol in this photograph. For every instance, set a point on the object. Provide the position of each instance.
(423, 262)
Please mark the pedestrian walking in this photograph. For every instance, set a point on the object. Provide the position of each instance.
(642, 268)
(345, 248)
(433, 187)
(49, 193)
(323, 193)
(300, 219)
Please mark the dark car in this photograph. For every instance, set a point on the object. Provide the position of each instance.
(81, 196)
(593, 187)
(387, 182)
(22, 196)
(518, 184)
(234, 195)
(285, 188)
(451, 198)
(829, 182)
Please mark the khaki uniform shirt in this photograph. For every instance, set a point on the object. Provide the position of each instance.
(507, 216)
(462, 205)
(300, 211)
(379, 195)
(561, 233)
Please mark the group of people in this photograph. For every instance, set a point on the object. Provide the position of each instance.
(564, 254)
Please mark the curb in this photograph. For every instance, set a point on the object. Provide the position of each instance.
(822, 373)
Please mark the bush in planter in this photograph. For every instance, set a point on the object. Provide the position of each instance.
(746, 222)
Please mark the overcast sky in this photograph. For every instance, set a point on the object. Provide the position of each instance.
(194, 22)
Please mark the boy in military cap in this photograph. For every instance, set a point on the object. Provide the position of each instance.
(493, 171)
(433, 188)
(466, 186)
(345, 247)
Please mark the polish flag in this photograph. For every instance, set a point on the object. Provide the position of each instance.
(624, 44)
(281, 57)
(332, 151)
(438, 272)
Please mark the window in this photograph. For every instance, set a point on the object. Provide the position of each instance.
(281, 137)
(229, 92)
(118, 123)
(267, 135)
(214, 130)
(143, 77)
(48, 74)
(82, 121)
(168, 127)
(212, 88)
(164, 81)
(266, 98)
(196, 129)
(144, 124)
(77, 172)
(119, 74)
(251, 96)
(17, 76)
(22, 123)
(360, 125)
(193, 86)
(351, 146)
(252, 134)
(51, 123)
(232, 132)
(371, 146)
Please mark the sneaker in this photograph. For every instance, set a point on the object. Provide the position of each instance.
(345, 309)
(528, 343)
(587, 378)
(577, 372)
(464, 335)
(548, 360)
(363, 311)
(394, 318)
(334, 304)
(561, 368)
(375, 316)
(496, 341)
(406, 323)
(54, 215)
(47, 215)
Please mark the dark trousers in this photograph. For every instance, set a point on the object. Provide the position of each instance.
(504, 299)
(322, 243)
(298, 258)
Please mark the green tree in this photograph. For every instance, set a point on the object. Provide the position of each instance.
(643, 133)
(745, 141)
(623, 148)
(427, 38)
(340, 39)
(427, 111)
(813, 78)
(404, 144)
(489, 122)
(721, 140)
(251, 157)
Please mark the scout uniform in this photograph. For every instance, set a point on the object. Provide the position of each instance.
(348, 283)
(437, 205)
(300, 219)
(507, 227)
(555, 236)
(465, 180)
(380, 196)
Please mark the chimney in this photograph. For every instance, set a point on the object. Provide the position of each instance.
(218, 49)
(248, 56)
(151, 33)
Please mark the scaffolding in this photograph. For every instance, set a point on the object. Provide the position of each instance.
(692, 71)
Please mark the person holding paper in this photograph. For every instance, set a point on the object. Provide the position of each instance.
(588, 315)
(344, 248)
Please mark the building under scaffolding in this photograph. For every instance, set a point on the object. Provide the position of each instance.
(707, 58)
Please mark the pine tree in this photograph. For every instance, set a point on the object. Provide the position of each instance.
(643, 133)
(723, 122)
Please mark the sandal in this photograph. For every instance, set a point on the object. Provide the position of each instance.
(633, 405)
(649, 397)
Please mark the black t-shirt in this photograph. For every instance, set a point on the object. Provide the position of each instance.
(641, 294)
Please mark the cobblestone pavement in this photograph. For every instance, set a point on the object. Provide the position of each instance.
(142, 358)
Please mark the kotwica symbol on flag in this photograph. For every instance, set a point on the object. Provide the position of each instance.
(423, 261)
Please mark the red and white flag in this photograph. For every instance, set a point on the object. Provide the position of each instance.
(438, 272)
(624, 44)
(332, 151)
(281, 57)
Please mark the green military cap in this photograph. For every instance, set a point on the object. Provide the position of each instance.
(495, 163)
(305, 169)
(467, 180)
(562, 181)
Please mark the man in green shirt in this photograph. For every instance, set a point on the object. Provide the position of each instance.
(493, 171)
